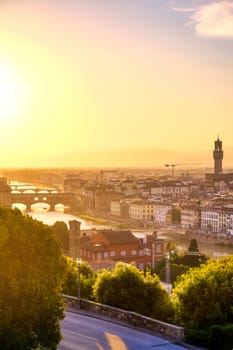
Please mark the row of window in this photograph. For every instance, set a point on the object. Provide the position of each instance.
(106, 255)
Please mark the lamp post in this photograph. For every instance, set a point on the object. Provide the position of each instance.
(168, 272)
(79, 260)
(168, 267)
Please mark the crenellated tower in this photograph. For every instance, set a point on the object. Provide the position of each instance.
(218, 156)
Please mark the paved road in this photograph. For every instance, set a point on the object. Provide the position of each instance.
(82, 332)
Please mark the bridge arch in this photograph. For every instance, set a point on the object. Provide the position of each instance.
(21, 206)
(40, 206)
(28, 191)
(62, 200)
(59, 207)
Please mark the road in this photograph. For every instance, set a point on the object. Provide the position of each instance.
(82, 332)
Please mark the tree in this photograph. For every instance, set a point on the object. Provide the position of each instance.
(31, 274)
(87, 279)
(127, 288)
(203, 298)
(62, 233)
(176, 215)
(176, 271)
(193, 246)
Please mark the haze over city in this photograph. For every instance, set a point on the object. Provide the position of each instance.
(109, 80)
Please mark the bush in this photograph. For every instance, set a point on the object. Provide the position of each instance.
(87, 279)
(127, 288)
(221, 337)
(203, 298)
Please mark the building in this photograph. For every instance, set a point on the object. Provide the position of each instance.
(5, 193)
(120, 208)
(74, 239)
(191, 216)
(103, 199)
(142, 210)
(217, 219)
(172, 189)
(111, 246)
(218, 156)
(161, 212)
(218, 175)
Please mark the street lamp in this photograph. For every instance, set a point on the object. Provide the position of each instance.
(168, 267)
(168, 271)
(79, 260)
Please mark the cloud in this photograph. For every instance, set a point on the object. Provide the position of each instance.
(180, 6)
(214, 20)
(183, 9)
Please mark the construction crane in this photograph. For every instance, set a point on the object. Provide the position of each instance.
(172, 166)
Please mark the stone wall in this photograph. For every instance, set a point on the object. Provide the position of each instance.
(131, 318)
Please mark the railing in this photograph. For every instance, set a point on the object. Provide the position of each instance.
(131, 318)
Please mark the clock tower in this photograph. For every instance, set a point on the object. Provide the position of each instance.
(218, 156)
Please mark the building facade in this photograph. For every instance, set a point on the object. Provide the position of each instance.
(217, 220)
(161, 213)
(111, 246)
(142, 210)
(191, 216)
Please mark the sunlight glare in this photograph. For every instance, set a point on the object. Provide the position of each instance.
(12, 93)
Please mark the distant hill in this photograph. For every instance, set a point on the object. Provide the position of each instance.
(132, 158)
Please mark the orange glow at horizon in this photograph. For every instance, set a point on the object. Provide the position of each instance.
(87, 80)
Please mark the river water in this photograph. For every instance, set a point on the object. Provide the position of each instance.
(50, 217)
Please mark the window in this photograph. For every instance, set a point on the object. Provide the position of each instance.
(123, 253)
(141, 266)
(99, 256)
(112, 253)
(133, 252)
(105, 255)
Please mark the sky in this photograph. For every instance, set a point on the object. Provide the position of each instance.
(113, 75)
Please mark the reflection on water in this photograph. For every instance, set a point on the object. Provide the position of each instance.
(50, 217)
(40, 211)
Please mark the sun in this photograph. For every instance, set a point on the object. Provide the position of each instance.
(12, 93)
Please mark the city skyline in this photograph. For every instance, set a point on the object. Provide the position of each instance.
(113, 76)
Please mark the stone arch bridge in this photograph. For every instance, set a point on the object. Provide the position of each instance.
(50, 198)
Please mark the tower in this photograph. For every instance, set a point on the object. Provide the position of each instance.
(218, 156)
(74, 239)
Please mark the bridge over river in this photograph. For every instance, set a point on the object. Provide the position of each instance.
(47, 197)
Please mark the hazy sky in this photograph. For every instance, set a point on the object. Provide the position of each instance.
(90, 75)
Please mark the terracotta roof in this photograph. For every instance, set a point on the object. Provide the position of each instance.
(114, 236)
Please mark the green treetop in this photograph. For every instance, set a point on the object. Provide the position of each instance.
(31, 275)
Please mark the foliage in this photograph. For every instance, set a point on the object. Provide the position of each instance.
(203, 296)
(175, 271)
(221, 337)
(62, 233)
(32, 269)
(176, 215)
(177, 268)
(215, 338)
(191, 260)
(127, 288)
(87, 279)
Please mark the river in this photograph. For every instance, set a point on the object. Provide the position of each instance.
(50, 217)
